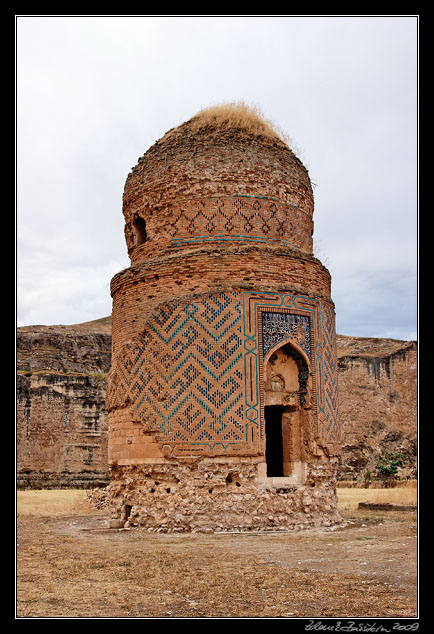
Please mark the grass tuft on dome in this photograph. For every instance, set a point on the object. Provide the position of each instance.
(236, 116)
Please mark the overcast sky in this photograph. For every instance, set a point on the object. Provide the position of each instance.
(93, 93)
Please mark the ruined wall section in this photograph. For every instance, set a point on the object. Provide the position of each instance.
(219, 494)
(64, 349)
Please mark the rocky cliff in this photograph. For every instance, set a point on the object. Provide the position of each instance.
(62, 374)
(377, 403)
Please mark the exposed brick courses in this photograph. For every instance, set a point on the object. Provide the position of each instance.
(219, 228)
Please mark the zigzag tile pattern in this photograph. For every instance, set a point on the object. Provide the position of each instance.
(248, 218)
(185, 372)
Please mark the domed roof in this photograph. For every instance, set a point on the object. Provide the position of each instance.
(233, 118)
(178, 189)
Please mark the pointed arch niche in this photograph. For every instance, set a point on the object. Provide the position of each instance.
(270, 320)
(287, 397)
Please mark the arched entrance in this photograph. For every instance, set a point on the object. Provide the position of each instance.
(286, 397)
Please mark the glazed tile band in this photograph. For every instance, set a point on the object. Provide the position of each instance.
(243, 218)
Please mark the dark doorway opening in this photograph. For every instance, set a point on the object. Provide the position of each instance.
(273, 440)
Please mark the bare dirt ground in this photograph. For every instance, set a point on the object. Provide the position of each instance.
(73, 566)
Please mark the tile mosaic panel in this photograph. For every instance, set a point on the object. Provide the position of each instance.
(195, 375)
(322, 352)
(186, 379)
(277, 327)
(244, 218)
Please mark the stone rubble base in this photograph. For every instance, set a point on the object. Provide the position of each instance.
(209, 497)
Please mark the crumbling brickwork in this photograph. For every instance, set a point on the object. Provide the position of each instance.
(218, 225)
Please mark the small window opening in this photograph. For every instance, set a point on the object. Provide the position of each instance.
(139, 227)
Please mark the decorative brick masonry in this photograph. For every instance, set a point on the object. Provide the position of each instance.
(222, 397)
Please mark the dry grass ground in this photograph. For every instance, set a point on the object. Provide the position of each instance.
(52, 503)
(350, 498)
(70, 565)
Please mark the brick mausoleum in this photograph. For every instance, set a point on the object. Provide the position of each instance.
(222, 399)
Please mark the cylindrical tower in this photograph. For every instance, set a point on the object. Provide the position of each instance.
(223, 390)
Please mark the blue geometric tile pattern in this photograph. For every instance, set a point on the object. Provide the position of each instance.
(241, 218)
(186, 372)
(194, 374)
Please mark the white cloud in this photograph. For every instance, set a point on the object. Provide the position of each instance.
(93, 93)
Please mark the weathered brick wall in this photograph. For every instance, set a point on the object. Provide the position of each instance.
(144, 287)
(219, 231)
(65, 349)
(184, 168)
